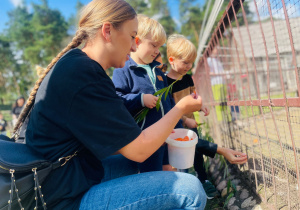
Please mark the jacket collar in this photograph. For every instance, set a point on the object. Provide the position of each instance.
(132, 64)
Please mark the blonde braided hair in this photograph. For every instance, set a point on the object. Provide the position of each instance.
(92, 18)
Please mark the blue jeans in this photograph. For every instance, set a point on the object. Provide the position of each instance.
(152, 190)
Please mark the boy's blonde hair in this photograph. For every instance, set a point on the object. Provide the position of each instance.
(178, 46)
(150, 26)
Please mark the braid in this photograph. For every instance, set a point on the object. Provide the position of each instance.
(80, 36)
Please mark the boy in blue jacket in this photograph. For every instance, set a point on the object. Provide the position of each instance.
(140, 79)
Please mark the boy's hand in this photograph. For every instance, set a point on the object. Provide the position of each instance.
(234, 157)
(191, 123)
(205, 110)
(150, 100)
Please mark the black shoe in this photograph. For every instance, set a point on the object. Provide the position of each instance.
(210, 190)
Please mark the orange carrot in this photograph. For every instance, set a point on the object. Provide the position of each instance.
(186, 138)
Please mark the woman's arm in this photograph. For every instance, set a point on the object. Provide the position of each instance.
(154, 136)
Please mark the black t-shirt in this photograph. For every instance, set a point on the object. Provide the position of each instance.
(77, 106)
(184, 83)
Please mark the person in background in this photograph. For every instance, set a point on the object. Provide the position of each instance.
(3, 124)
(17, 109)
(163, 66)
(232, 95)
(218, 83)
(140, 79)
(181, 56)
(76, 108)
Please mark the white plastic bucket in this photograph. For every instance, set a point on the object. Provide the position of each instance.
(181, 153)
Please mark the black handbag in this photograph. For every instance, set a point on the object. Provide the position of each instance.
(22, 171)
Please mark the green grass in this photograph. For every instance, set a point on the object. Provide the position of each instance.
(215, 204)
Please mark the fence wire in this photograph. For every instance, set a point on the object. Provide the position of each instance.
(249, 77)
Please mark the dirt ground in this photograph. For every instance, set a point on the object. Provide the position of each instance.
(273, 148)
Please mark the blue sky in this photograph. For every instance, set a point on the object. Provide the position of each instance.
(67, 7)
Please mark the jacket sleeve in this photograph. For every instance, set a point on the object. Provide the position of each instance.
(207, 148)
(132, 101)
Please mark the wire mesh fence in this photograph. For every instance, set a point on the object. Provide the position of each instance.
(249, 77)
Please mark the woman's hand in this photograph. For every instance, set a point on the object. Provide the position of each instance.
(150, 100)
(155, 135)
(190, 103)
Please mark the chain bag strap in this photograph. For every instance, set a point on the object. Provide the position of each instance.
(22, 171)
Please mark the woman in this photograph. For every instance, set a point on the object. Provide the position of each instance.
(76, 108)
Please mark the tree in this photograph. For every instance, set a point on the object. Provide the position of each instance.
(32, 38)
(73, 20)
(170, 27)
(15, 76)
(191, 27)
(140, 6)
(15, 71)
(192, 16)
(37, 35)
(6, 62)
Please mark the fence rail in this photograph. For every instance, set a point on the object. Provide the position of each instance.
(249, 77)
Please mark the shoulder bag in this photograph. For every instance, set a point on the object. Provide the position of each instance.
(22, 171)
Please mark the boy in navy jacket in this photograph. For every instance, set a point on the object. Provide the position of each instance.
(140, 79)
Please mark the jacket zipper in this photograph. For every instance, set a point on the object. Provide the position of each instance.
(161, 105)
(153, 84)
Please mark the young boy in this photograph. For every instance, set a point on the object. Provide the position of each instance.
(140, 79)
(181, 56)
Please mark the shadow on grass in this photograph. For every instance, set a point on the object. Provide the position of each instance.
(215, 204)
